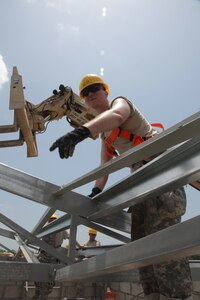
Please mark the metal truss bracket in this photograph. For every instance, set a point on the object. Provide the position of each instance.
(21, 121)
(10, 129)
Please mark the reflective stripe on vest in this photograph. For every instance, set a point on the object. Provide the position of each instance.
(118, 132)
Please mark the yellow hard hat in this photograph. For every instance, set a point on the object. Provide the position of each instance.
(90, 79)
(92, 231)
(53, 217)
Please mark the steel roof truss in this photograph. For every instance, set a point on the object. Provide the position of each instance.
(26, 251)
(26, 235)
(171, 243)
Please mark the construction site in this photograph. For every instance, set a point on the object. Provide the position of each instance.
(102, 272)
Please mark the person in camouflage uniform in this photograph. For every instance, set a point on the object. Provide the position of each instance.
(170, 280)
(122, 126)
(43, 289)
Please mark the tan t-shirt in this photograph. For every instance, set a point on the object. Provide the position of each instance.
(92, 244)
(136, 124)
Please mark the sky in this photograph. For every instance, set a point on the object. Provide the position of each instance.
(145, 50)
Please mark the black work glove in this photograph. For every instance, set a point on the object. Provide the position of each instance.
(95, 191)
(66, 144)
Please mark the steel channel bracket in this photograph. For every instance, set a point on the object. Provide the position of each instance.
(21, 121)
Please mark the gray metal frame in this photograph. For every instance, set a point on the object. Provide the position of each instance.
(178, 165)
(175, 135)
(25, 235)
(174, 242)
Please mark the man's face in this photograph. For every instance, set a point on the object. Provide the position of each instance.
(92, 237)
(96, 97)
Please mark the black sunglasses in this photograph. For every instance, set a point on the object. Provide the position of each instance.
(91, 88)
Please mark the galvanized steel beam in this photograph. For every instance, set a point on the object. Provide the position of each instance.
(65, 221)
(40, 191)
(25, 250)
(172, 169)
(6, 248)
(174, 242)
(175, 135)
(23, 271)
(120, 221)
(178, 167)
(43, 220)
(26, 235)
(7, 233)
(104, 230)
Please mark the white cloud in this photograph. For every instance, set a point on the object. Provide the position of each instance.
(50, 4)
(104, 11)
(72, 29)
(3, 72)
(31, 1)
(60, 27)
(59, 5)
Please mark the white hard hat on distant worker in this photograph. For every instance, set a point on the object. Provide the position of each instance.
(90, 79)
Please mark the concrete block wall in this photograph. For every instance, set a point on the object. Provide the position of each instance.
(25, 291)
(86, 291)
(133, 291)
(127, 290)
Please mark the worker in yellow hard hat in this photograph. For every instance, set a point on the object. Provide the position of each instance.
(52, 218)
(67, 143)
(91, 80)
(92, 231)
(43, 289)
(121, 127)
(92, 242)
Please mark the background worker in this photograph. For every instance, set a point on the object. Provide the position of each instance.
(92, 242)
(43, 289)
(122, 126)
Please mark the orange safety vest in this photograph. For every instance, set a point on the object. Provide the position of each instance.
(118, 132)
